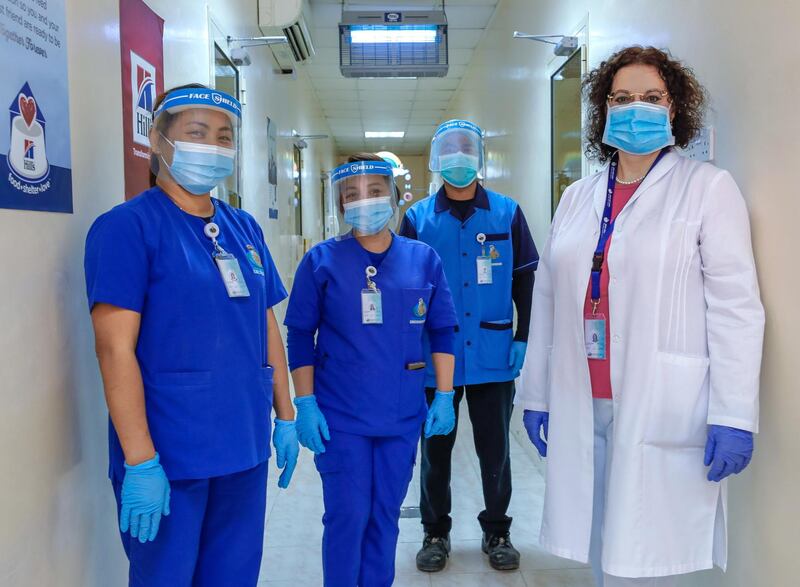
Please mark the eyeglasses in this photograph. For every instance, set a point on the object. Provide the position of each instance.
(622, 97)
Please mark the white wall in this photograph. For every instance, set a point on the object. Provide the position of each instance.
(56, 505)
(746, 55)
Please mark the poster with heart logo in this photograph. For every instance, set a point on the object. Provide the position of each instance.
(35, 159)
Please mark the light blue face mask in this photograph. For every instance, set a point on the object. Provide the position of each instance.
(198, 168)
(369, 216)
(638, 128)
(459, 169)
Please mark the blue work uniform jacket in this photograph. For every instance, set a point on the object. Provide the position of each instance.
(485, 311)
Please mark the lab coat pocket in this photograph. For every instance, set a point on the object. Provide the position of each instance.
(678, 401)
(494, 345)
(414, 312)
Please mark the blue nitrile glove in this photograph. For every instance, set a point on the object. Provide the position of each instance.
(145, 498)
(441, 415)
(287, 449)
(534, 423)
(517, 355)
(311, 425)
(728, 451)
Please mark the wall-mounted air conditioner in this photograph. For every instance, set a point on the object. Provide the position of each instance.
(289, 18)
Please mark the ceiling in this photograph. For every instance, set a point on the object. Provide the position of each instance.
(416, 106)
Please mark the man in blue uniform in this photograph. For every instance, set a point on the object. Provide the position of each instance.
(489, 259)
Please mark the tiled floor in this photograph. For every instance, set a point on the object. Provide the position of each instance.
(294, 530)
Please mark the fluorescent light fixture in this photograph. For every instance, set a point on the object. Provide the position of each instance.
(384, 134)
(396, 35)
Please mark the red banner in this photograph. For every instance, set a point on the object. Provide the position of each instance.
(142, 44)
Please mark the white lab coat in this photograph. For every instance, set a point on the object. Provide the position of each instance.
(686, 339)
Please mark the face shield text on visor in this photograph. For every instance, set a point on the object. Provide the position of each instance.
(457, 152)
(197, 132)
(365, 194)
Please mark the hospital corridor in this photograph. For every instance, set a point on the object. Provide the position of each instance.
(411, 293)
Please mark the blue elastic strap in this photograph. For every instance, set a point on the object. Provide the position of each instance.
(201, 98)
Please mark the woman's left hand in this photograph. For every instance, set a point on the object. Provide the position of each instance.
(287, 449)
(441, 415)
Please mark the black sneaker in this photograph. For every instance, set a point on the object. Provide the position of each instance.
(502, 554)
(432, 557)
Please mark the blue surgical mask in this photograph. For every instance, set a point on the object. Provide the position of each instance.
(459, 169)
(369, 216)
(638, 128)
(198, 168)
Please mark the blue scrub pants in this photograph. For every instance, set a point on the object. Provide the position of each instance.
(603, 453)
(364, 483)
(213, 536)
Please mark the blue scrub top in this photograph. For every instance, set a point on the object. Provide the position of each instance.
(485, 312)
(203, 355)
(361, 381)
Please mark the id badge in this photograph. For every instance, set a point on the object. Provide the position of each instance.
(595, 336)
(371, 306)
(232, 276)
(484, 270)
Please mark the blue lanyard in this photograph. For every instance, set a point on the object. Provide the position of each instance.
(607, 226)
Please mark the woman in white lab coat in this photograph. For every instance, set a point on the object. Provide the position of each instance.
(645, 357)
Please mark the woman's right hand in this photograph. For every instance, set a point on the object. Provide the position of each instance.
(145, 498)
(312, 428)
(536, 424)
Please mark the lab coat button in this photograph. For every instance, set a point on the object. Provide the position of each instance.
(466, 284)
(467, 314)
(617, 338)
(469, 343)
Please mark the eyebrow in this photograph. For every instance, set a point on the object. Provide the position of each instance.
(645, 92)
(207, 127)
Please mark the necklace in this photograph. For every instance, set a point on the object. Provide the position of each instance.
(630, 182)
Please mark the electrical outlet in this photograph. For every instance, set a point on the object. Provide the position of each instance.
(702, 147)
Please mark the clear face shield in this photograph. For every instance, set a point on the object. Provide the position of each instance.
(194, 138)
(457, 152)
(365, 195)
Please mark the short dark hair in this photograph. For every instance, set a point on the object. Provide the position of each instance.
(688, 96)
(163, 125)
(356, 157)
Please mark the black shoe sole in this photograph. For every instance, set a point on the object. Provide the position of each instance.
(504, 567)
(431, 569)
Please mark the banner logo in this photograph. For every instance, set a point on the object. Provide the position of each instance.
(27, 158)
(143, 94)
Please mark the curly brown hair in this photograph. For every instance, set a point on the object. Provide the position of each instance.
(688, 96)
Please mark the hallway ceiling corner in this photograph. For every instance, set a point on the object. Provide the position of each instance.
(414, 106)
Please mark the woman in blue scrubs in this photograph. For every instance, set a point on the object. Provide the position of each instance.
(371, 298)
(180, 289)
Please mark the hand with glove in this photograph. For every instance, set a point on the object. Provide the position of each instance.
(517, 356)
(145, 498)
(312, 428)
(536, 424)
(728, 451)
(441, 415)
(287, 449)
